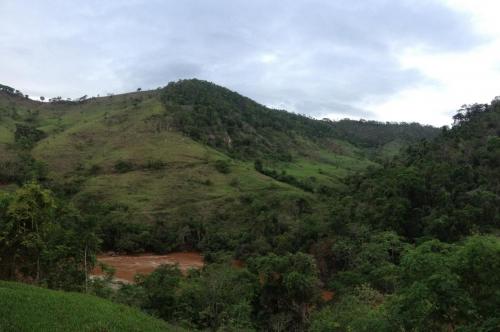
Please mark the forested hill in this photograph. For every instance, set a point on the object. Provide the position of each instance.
(190, 165)
(372, 134)
(420, 235)
(445, 188)
(224, 119)
(187, 153)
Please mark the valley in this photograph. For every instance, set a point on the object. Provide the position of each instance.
(249, 166)
(203, 208)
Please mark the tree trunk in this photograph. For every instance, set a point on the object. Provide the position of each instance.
(85, 266)
(38, 269)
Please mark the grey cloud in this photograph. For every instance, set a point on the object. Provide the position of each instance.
(148, 73)
(315, 57)
(320, 109)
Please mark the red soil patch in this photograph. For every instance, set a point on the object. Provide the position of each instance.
(326, 295)
(127, 266)
(238, 263)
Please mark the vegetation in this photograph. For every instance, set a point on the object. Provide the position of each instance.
(26, 308)
(273, 293)
(398, 221)
(409, 232)
(42, 241)
(244, 129)
(372, 134)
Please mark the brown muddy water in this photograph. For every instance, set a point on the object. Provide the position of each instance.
(127, 266)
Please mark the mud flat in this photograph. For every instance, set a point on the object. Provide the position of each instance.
(127, 266)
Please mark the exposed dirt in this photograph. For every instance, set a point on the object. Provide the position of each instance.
(127, 266)
(327, 295)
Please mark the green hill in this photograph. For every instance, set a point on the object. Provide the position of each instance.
(186, 153)
(402, 231)
(423, 232)
(445, 188)
(28, 308)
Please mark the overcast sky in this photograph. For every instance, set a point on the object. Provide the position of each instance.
(389, 60)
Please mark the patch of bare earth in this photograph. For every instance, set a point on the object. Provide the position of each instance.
(127, 266)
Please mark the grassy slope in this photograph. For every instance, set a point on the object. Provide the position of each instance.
(112, 130)
(27, 308)
(105, 130)
(102, 131)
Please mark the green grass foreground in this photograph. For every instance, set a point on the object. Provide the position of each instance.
(28, 308)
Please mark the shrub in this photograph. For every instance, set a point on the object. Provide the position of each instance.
(94, 169)
(235, 182)
(122, 166)
(155, 164)
(27, 136)
(222, 166)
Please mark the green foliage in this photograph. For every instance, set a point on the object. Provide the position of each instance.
(225, 299)
(22, 168)
(372, 134)
(307, 185)
(42, 241)
(159, 171)
(449, 285)
(123, 166)
(244, 129)
(280, 291)
(362, 257)
(148, 172)
(155, 165)
(217, 298)
(26, 136)
(360, 310)
(441, 286)
(7, 89)
(222, 166)
(11, 91)
(289, 288)
(447, 188)
(160, 289)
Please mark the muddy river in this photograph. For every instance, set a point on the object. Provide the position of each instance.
(127, 266)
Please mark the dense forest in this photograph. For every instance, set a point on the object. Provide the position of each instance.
(243, 128)
(396, 223)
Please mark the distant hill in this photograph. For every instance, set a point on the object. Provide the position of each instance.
(26, 308)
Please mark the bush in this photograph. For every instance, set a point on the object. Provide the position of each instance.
(122, 166)
(222, 166)
(94, 170)
(27, 136)
(235, 182)
(155, 165)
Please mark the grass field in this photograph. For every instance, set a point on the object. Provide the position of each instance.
(26, 308)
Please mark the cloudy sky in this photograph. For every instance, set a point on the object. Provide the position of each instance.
(389, 60)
